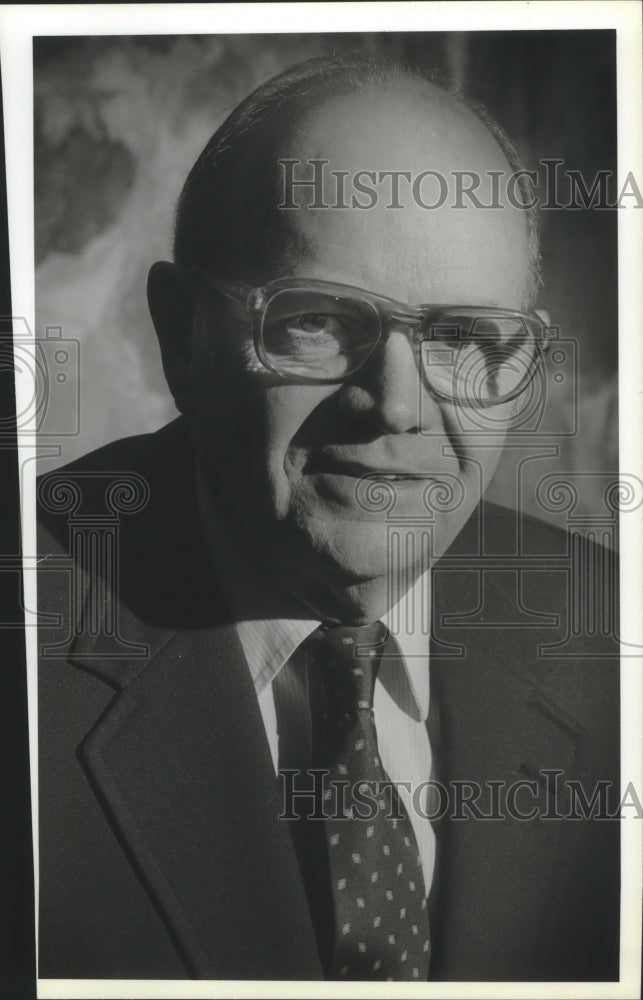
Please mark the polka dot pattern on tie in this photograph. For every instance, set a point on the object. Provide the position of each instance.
(381, 924)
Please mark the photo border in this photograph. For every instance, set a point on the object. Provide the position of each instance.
(18, 25)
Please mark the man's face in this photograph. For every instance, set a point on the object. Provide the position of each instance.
(284, 463)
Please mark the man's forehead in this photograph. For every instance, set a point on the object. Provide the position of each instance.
(424, 248)
(408, 124)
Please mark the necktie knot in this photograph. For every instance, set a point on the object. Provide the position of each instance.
(351, 657)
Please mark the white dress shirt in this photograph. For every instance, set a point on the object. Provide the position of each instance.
(272, 625)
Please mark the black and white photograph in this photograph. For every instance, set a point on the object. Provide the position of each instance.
(326, 338)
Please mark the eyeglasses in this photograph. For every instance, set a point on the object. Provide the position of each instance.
(317, 332)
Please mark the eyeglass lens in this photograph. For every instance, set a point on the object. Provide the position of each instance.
(315, 335)
(465, 356)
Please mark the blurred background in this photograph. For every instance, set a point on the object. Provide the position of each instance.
(119, 122)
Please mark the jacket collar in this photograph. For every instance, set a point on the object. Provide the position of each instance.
(165, 584)
(183, 769)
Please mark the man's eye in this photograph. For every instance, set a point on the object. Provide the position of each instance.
(325, 323)
(312, 322)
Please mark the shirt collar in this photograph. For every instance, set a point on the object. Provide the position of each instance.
(414, 608)
(271, 623)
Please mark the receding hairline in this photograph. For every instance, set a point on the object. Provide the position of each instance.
(432, 101)
(282, 107)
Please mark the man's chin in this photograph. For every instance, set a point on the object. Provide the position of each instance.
(351, 572)
(367, 552)
(352, 552)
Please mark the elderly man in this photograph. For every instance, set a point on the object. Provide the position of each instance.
(296, 718)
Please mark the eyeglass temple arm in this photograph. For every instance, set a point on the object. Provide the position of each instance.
(229, 289)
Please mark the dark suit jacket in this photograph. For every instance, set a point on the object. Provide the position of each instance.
(161, 855)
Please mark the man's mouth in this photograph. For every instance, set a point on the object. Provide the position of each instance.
(394, 476)
(359, 470)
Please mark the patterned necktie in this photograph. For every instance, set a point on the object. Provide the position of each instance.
(380, 917)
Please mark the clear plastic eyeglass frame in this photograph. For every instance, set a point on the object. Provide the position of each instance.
(426, 323)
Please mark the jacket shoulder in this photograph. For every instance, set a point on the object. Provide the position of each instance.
(547, 605)
(132, 464)
(139, 452)
(504, 526)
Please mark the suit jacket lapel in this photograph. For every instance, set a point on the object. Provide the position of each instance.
(182, 767)
(491, 720)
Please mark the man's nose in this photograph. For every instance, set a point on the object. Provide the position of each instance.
(389, 389)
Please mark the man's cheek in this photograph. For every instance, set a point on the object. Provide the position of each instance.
(476, 439)
(478, 466)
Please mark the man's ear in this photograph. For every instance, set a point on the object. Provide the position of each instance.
(544, 316)
(170, 295)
